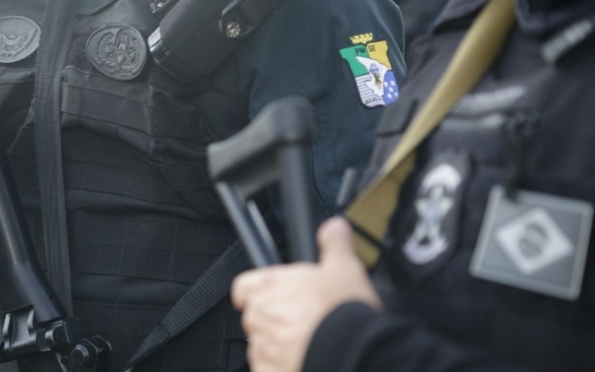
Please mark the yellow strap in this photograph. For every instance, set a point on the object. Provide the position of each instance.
(373, 209)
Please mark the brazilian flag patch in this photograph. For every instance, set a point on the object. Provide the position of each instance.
(372, 70)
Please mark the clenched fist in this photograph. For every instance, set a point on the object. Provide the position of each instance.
(284, 305)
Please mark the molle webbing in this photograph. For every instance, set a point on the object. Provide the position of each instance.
(152, 120)
(173, 251)
(101, 165)
(128, 325)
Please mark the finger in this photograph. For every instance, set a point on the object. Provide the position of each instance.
(266, 310)
(335, 239)
(248, 285)
(254, 319)
(259, 355)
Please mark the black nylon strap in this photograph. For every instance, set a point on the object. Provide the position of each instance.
(207, 292)
(55, 37)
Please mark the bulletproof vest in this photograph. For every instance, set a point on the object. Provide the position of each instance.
(529, 126)
(144, 222)
(419, 17)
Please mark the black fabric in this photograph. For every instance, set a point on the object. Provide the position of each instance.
(209, 290)
(396, 118)
(339, 329)
(12, 119)
(137, 249)
(9, 367)
(56, 30)
(419, 17)
(128, 325)
(354, 338)
(16, 95)
(152, 259)
(142, 185)
(110, 253)
(540, 17)
(256, 11)
(110, 108)
(88, 7)
(543, 6)
(457, 14)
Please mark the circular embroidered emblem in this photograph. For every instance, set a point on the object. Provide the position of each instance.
(117, 51)
(19, 38)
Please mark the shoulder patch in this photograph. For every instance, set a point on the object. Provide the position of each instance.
(372, 70)
(117, 51)
(428, 230)
(19, 38)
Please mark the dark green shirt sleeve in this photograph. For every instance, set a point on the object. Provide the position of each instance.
(346, 57)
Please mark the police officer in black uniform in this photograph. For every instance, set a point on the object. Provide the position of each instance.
(491, 247)
(144, 224)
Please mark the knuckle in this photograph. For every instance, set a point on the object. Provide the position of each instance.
(249, 322)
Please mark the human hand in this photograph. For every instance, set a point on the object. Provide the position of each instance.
(284, 305)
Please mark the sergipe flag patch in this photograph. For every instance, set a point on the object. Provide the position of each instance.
(372, 70)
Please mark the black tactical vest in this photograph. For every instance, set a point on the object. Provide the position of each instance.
(535, 331)
(419, 17)
(144, 222)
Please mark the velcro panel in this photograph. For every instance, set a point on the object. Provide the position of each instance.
(104, 179)
(202, 347)
(106, 167)
(153, 120)
(142, 248)
(193, 182)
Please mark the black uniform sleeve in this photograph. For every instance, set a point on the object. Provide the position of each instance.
(355, 338)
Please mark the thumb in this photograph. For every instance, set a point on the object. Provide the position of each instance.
(335, 239)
